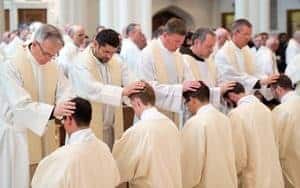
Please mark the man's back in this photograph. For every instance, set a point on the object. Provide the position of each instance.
(255, 150)
(85, 164)
(207, 151)
(148, 154)
(287, 132)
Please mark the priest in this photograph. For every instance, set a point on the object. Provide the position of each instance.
(286, 118)
(32, 91)
(256, 154)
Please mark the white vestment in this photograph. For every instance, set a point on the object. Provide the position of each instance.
(287, 132)
(165, 71)
(66, 57)
(256, 154)
(84, 162)
(103, 92)
(148, 154)
(207, 72)
(235, 64)
(11, 47)
(131, 55)
(293, 72)
(18, 113)
(293, 49)
(207, 157)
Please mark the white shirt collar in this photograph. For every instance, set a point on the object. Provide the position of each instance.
(247, 100)
(204, 108)
(80, 136)
(163, 47)
(151, 113)
(285, 97)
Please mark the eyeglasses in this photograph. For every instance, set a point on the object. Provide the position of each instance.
(45, 53)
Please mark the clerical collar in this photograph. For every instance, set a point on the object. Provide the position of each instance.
(80, 136)
(204, 108)
(151, 113)
(247, 100)
(285, 97)
(191, 53)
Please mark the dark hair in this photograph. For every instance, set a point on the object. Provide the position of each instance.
(108, 36)
(175, 26)
(201, 34)
(201, 93)
(283, 81)
(83, 112)
(237, 24)
(146, 95)
(237, 89)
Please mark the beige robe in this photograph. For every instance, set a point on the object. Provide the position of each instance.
(85, 162)
(100, 83)
(166, 71)
(207, 157)
(256, 154)
(148, 154)
(287, 132)
(28, 93)
(293, 72)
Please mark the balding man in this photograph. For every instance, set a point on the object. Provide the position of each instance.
(131, 50)
(71, 49)
(222, 35)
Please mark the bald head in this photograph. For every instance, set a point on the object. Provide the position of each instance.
(222, 35)
(77, 34)
(272, 43)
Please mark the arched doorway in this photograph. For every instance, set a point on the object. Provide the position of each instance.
(163, 15)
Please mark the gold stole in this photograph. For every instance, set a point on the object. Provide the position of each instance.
(116, 78)
(39, 146)
(196, 72)
(248, 59)
(162, 75)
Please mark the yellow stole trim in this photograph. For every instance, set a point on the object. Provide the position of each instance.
(195, 68)
(116, 77)
(39, 146)
(248, 59)
(162, 74)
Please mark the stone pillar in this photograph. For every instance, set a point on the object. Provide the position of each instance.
(63, 12)
(146, 17)
(2, 19)
(264, 15)
(241, 8)
(124, 13)
(106, 13)
(254, 15)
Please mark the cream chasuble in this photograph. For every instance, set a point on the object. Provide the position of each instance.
(207, 157)
(148, 154)
(29, 91)
(100, 83)
(84, 162)
(256, 154)
(287, 132)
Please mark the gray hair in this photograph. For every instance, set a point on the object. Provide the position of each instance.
(48, 32)
(201, 34)
(130, 28)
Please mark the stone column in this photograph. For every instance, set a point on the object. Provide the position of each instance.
(106, 13)
(145, 12)
(264, 15)
(63, 12)
(254, 15)
(2, 19)
(241, 8)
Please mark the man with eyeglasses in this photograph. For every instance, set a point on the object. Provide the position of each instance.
(84, 162)
(32, 91)
(235, 61)
(207, 158)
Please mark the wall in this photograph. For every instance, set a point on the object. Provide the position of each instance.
(283, 6)
(200, 10)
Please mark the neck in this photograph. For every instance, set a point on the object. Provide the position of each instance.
(196, 53)
(236, 43)
(283, 94)
(164, 42)
(200, 105)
